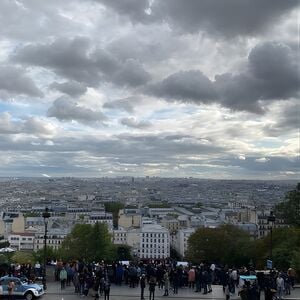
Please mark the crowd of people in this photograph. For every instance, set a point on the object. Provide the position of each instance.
(96, 279)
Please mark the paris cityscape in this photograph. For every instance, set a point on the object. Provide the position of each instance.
(150, 149)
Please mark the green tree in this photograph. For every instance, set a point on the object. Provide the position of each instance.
(50, 254)
(88, 242)
(23, 257)
(289, 209)
(123, 252)
(295, 263)
(3, 259)
(76, 243)
(226, 244)
(285, 245)
(99, 242)
(114, 207)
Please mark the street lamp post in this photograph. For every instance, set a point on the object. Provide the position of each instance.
(271, 220)
(46, 216)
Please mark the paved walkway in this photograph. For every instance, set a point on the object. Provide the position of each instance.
(124, 292)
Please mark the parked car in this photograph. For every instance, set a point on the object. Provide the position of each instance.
(22, 288)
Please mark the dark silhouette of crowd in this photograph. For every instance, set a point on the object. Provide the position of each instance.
(96, 278)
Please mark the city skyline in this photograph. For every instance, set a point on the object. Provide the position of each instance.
(167, 88)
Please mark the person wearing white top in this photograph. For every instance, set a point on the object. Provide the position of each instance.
(280, 286)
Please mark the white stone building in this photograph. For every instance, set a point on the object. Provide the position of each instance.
(180, 243)
(154, 242)
(54, 238)
(22, 241)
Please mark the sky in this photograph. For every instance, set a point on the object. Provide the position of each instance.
(169, 88)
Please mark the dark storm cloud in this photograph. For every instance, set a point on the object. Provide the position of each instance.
(67, 57)
(225, 18)
(71, 88)
(133, 123)
(14, 81)
(75, 59)
(276, 65)
(66, 110)
(188, 86)
(132, 74)
(271, 74)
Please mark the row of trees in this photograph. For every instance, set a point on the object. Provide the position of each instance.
(230, 245)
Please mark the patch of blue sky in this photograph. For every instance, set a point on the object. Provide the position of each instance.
(6, 107)
(22, 109)
(165, 113)
(268, 144)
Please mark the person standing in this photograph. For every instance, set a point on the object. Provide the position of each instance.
(227, 291)
(152, 284)
(106, 289)
(63, 278)
(166, 284)
(191, 277)
(10, 289)
(143, 285)
(175, 281)
(280, 286)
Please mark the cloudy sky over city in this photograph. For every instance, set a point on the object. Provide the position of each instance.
(171, 88)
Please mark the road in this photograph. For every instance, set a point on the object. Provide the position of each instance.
(125, 293)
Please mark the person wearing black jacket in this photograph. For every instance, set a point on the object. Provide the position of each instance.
(152, 284)
(143, 285)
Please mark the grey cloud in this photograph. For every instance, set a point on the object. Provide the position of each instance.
(224, 18)
(126, 104)
(284, 121)
(106, 62)
(134, 9)
(160, 45)
(133, 123)
(141, 150)
(14, 81)
(66, 110)
(271, 74)
(276, 66)
(67, 57)
(132, 74)
(188, 86)
(265, 165)
(239, 92)
(7, 126)
(36, 126)
(32, 20)
(32, 125)
(74, 59)
(71, 88)
(143, 147)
